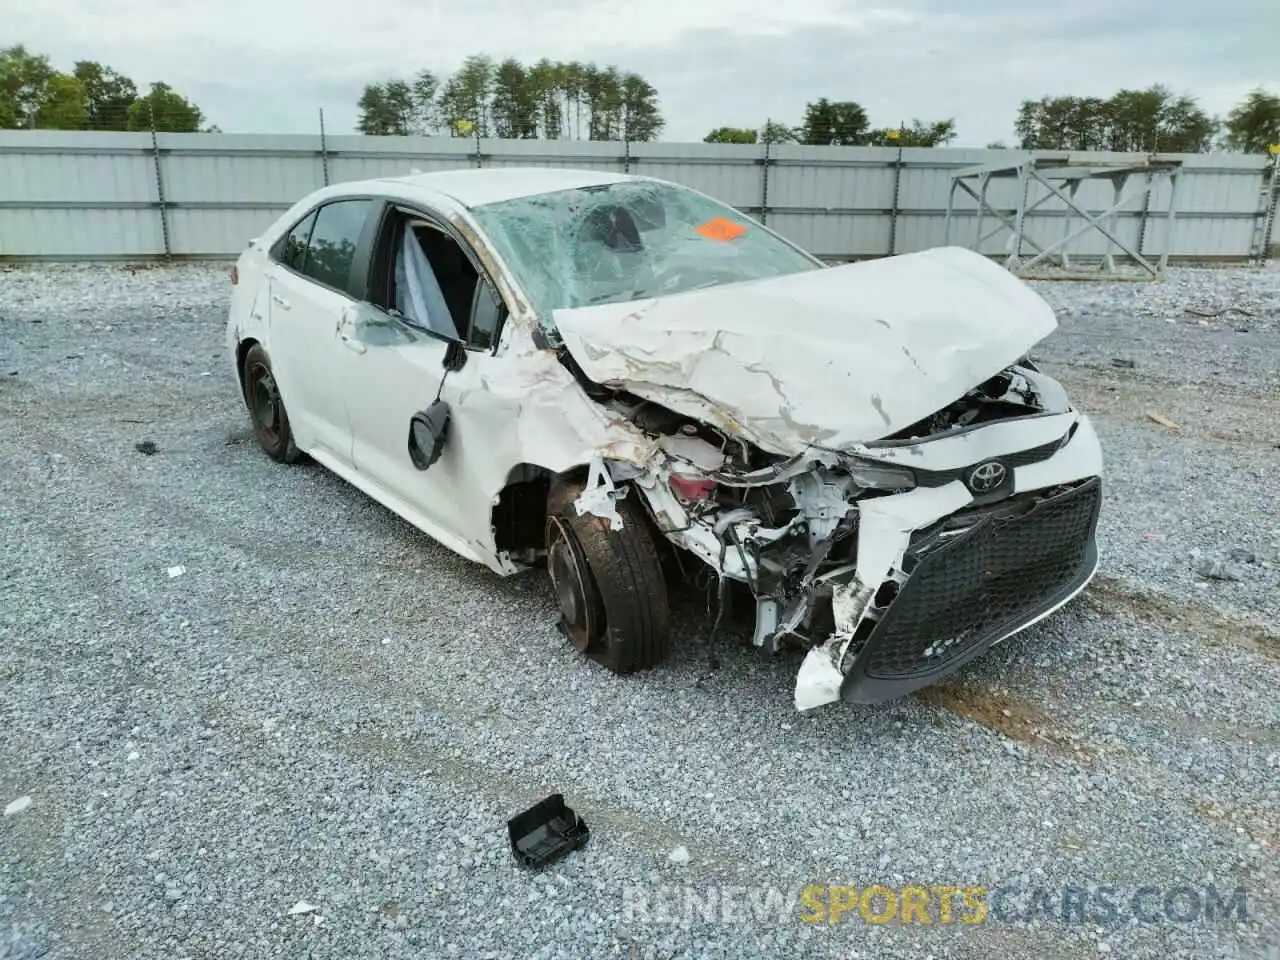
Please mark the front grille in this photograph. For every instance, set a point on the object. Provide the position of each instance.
(968, 589)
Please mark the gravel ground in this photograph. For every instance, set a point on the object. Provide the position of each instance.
(327, 709)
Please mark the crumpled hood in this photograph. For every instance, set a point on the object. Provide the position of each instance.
(832, 357)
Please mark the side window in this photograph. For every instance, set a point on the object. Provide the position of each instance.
(332, 249)
(293, 249)
(433, 284)
(486, 315)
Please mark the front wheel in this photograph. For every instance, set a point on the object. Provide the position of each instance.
(610, 586)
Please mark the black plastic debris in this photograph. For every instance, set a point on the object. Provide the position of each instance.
(1123, 363)
(146, 447)
(546, 832)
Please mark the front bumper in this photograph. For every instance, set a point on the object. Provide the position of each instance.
(941, 577)
(972, 581)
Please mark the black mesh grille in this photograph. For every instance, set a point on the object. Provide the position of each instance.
(972, 587)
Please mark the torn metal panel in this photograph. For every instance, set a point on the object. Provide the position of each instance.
(830, 357)
(600, 495)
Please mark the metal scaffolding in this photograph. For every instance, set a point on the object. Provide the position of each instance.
(1061, 176)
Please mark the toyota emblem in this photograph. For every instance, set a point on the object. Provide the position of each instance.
(986, 477)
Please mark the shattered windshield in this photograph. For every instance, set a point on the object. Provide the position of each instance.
(629, 240)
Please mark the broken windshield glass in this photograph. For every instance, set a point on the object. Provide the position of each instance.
(627, 241)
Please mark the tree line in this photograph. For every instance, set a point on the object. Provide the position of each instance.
(545, 100)
(840, 123)
(575, 101)
(35, 95)
(1153, 120)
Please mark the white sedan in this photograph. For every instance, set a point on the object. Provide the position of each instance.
(627, 380)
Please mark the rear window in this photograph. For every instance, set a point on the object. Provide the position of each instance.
(332, 247)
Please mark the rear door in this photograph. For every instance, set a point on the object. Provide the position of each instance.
(312, 283)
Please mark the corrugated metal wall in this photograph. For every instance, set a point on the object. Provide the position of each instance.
(120, 195)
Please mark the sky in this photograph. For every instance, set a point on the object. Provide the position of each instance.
(271, 65)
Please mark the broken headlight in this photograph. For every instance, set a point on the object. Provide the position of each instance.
(873, 475)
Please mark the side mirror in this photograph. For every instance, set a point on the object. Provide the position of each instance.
(455, 356)
(428, 430)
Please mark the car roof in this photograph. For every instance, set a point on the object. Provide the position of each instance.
(475, 187)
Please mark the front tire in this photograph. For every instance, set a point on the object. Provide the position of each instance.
(266, 407)
(610, 586)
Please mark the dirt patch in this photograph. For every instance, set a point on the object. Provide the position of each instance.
(1111, 596)
(1016, 719)
(1260, 826)
(1128, 394)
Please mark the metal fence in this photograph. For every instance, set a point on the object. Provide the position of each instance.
(88, 195)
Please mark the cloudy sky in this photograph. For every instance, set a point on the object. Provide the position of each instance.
(269, 65)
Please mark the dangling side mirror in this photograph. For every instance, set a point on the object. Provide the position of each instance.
(428, 430)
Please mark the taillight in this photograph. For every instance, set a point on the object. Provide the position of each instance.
(688, 488)
(235, 274)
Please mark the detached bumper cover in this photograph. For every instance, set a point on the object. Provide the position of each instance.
(972, 581)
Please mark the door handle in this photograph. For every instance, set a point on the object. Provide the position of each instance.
(284, 304)
(353, 345)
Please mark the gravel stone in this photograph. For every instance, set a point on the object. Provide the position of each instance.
(327, 707)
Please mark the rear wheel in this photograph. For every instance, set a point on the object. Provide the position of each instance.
(609, 585)
(266, 407)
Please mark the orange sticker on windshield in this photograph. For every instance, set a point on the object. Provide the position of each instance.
(721, 230)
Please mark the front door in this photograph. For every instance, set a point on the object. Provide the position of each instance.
(428, 296)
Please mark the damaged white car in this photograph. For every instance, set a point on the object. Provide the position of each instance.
(608, 373)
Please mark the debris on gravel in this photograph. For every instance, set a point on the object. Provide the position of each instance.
(307, 740)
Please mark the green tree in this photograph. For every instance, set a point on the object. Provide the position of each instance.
(64, 105)
(919, 134)
(544, 79)
(1142, 121)
(829, 123)
(730, 135)
(1064, 123)
(108, 95)
(774, 132)
(603, 95)
(641, 120)
(508, 99)
(24, 78)
(514, 107)
(573, 82)
(386, 109)
(169, 110)
(1253, 124)
(472, 92)
(422, 94)
(452, 110)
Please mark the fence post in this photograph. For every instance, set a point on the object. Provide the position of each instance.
(1273, 208)
(324, 150)
(897, 186)
(155, 157)
(764, 174)
(1146, 211)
